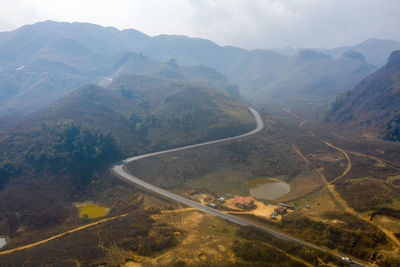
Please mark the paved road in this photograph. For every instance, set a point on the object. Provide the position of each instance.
(121, 171)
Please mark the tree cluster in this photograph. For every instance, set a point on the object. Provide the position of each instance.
(76, 151)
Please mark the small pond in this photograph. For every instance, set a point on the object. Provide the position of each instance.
(267, 188)
(3, 242)
(93, 211)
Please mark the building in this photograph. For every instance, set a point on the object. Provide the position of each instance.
(281, 210)
(244, 202)
(291, 207)
(193, 192)
(221, 199)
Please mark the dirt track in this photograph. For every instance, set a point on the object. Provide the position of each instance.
(61, 235)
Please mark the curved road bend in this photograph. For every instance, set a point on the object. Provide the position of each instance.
(121, 171)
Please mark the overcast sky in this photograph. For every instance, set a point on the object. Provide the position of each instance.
(243, 23)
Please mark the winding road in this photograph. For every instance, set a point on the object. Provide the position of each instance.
(120, 170)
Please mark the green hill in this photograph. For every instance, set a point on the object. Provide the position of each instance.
(148, 113)
(71, 143)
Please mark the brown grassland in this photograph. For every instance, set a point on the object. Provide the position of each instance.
(343, 188)
(339, 216)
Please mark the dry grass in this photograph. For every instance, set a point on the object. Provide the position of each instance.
(207, 241)
(320, 203)
(302, 185)
(388, 223)
(326, 157)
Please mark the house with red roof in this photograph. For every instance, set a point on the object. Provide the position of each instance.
(244, 202)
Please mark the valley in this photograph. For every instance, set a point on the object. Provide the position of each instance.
(308, 169)
(122, 149)
(335, 201)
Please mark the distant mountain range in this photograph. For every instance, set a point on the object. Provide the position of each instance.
(375, 51)
(309, 76)
(374, 103)
(40, 63)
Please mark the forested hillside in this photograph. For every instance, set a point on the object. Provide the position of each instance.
(69, 145)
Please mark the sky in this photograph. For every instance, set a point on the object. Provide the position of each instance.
(244, 23)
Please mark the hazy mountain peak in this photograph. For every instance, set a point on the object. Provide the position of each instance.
(354, 55)
(377, 41)
(311, 54)
(394, 60)
(375, 50)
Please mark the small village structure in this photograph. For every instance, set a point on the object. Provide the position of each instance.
(221, 200)
(281, 210)
(244, 202)
(193, 192)
(290, 207)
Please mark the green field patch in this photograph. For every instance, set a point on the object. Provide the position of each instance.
(267, 188)
(93, 211)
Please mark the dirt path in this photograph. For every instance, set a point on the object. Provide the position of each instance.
(336, 196)
(302, 121)
(178, 210)
(349, 166)
(61, 235)
(301, 154)
(347, 208)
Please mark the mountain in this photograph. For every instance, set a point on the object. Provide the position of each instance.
(148, 113)
(374, 103)
(376, 51)
(96, 53)
(70, 144)
(81, 45)
(311, 76)
(43, 62)
(264, 76)
(133, 63)
(26, 91)
(85, 53)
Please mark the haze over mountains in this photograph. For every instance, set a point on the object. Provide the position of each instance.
(75, 98)
(376, 51)
(40, 63)
(374, 103)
